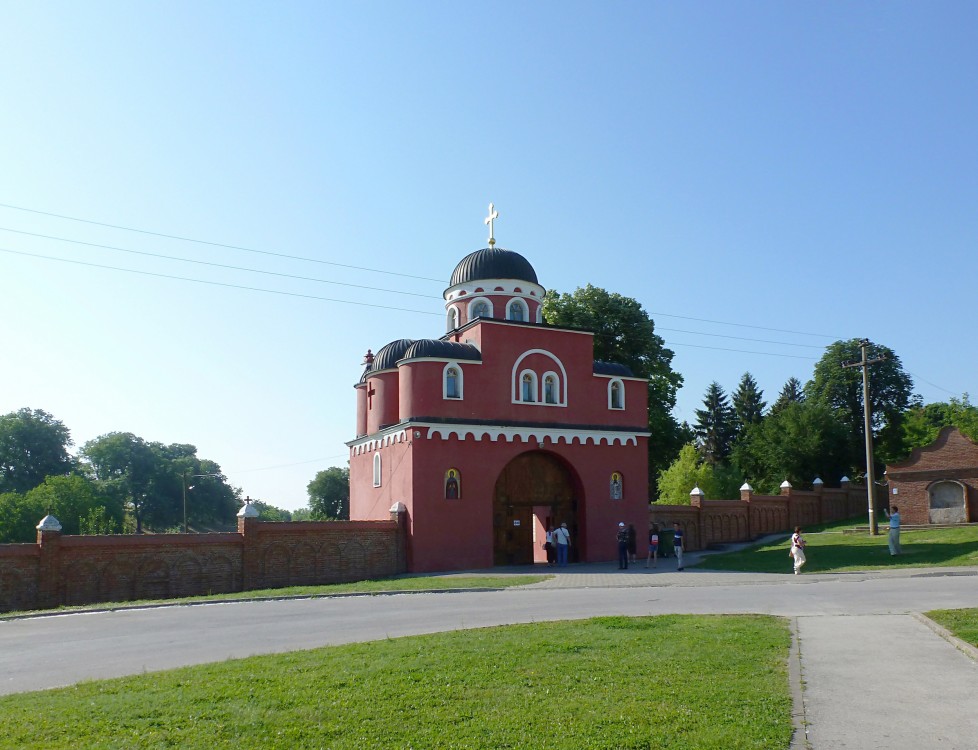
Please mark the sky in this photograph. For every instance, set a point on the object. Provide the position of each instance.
(764, 177)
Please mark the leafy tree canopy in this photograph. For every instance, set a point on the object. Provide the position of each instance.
(329, 494)
(921, 424)
(33, 445)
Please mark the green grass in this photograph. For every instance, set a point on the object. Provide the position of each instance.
(832, 551)
(376, 586)
(962, 622)
(689, 682)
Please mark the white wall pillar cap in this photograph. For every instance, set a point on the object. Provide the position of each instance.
(49, 523)
(786, 485)
(697, 492)
(845, 479)
(398, 507)
(248, 511)
(745, 487)
(818, 481)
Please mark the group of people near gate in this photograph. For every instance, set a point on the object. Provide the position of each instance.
(557, 544)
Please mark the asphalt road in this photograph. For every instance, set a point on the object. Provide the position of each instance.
(873, 674)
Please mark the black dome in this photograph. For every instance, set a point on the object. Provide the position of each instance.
(443, 350)
(493, 263)
(386, 358)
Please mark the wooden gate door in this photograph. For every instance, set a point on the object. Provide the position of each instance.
(531, 479)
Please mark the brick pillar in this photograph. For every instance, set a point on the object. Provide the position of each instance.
(817, 486)
(696, 497)
(248, 523)
(48, 579)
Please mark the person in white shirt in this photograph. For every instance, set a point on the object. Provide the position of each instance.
(798, 549)
(562, 538)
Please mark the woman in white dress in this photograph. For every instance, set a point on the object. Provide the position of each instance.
(797, 549)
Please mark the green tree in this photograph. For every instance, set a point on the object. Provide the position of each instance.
(682, 475)
(33, 445)
(715, 428)
(841, 389)
(329, 494)
(19, 517)
(792, 393)
(625, 334)
(73, 499)
(921, 424)
(798, 443)
(748, 403)
(126, 468)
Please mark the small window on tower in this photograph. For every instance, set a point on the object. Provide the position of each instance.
(377, 469)
(481, 309)
(550, 389)
(616, 397)
(452, 389)
(528, 387)
(517, 310)
(452, 319)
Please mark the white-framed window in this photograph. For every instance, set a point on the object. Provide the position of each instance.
(516, 310)
(539, 313)
(452, 318)
(377, 469)
(616, 394)
(452, 381)
(480, 308)
(551, 389)
(528, 387)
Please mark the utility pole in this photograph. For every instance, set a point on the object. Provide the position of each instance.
(868, 428)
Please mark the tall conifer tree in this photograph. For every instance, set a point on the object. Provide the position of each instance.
(715, 428)
(748, 403)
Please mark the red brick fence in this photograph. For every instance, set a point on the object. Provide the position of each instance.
(63, 570)
(706, 522)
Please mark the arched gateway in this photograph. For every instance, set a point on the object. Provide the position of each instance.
(533, 490)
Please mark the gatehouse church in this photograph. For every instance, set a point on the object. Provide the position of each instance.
(499, 428)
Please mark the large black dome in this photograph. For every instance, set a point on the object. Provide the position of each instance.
(493, 263)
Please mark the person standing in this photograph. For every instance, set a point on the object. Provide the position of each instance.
(562, 540)
(622, 547)
(548, 545)
(797, 551)
(678, 544)
(653, 546)
(894, 541)
(632, 543)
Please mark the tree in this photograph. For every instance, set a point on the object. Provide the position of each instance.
(77, 503)
(624, 333)
(921, 424)
(798, 443)
(125, 467)
(329, 494)
(33, 445)
(792, 393)
(748, 403)
(683, 474)
(19, 517)
(841, 389)
(715, 425)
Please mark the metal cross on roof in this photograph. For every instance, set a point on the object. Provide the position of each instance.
(493, 214)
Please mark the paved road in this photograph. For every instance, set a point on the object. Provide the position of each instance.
(873, 674)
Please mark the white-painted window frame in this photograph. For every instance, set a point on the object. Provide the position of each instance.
(459, 382)
(377, 470)
(621, 390)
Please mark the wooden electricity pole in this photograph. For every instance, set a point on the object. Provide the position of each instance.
(868, 427)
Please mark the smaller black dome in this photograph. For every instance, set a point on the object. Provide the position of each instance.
(611, 368)
(386, 358)
(442, 350)
(493, 263)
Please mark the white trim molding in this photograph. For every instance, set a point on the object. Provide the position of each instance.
(534, 436)
(377, 441)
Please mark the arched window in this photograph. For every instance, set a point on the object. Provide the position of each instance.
(480, 309)
(452, 319)
(377, 469)
(453, 484)
(528, 387)
(551, 389)
(452, 381)
(616, 395)
(516, 310)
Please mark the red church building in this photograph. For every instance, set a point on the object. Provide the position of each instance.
(499, 428)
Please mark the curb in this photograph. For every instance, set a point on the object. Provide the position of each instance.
(963, 646)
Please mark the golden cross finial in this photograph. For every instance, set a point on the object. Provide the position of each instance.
(493, 214)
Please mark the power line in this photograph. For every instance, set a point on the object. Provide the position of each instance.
(219, 244)
(217, 283)
(742, 351)
(741, 338)
(217, 265)
(741, 325)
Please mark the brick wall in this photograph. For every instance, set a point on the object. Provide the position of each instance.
(951, 458)
(64, 570)
(705, 522)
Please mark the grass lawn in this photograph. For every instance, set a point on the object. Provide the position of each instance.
(830, 551)
(376, 586)
(684, 682)
(962, 622)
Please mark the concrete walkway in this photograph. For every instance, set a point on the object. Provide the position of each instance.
(867, 672)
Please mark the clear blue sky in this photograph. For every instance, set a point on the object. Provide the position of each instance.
(811, 167)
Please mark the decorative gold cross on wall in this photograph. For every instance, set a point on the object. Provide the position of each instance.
(493, 215)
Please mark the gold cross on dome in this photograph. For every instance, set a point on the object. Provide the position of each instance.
(493, 215)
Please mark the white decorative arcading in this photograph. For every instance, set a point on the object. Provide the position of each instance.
(369, 445)
(531, 435)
